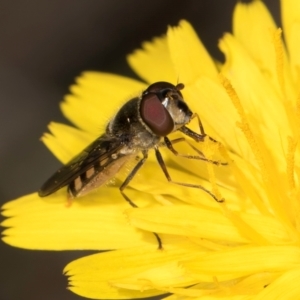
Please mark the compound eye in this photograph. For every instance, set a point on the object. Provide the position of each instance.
(155, 115)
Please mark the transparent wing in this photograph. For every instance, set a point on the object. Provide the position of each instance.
(99, 151)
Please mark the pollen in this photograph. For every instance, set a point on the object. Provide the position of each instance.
(244, 125)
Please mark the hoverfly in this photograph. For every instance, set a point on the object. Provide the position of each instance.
(142, 123)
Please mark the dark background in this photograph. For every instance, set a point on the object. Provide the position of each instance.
(43, 46)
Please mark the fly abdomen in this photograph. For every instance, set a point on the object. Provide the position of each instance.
(101, 172)
(84, 183)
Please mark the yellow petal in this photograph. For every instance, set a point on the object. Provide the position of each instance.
(290, 11)
(253, 26)
(286, 287)
(105, 275)
(152, 63)
(65, 141)
(209, 99)
(93, 222)
(186, 221)
(264, 132)
(255, 29)
(202, 296)
(189, 56)
(258, 97)
(207, 223)
(239, 288)
(156, 277)
(96, 98)
(158, 185)
(243, 261)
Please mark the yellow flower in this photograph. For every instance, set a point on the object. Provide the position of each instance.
(245, 248)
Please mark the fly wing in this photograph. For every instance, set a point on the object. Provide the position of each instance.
(100, 150)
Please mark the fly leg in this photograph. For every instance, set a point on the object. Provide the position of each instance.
(127, 181)
(201, 156)
(199, 124)
(197, 186)
(194, 135)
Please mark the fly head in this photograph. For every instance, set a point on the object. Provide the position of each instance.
(163, 108)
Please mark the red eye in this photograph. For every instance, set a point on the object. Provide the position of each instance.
(155, 115)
